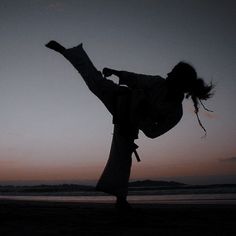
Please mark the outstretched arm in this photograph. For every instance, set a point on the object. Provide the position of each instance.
(132, 80)
(108, 72)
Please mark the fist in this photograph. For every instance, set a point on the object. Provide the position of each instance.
(107, 72)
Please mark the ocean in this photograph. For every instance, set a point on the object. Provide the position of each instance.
(220, 198)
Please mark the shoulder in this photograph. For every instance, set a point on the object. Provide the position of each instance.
(158, 81)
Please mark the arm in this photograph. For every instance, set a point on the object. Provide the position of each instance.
(131, 79)
(156, 129)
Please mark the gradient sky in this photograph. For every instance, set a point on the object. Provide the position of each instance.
(53, 129)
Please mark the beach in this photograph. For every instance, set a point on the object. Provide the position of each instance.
(66, 218)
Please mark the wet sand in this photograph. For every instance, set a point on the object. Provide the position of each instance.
(60, 218)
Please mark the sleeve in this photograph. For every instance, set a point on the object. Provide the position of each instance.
(139, 81)
(156, 129)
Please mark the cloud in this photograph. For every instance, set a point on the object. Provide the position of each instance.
(229, 159)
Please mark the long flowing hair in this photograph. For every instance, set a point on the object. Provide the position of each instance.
(195, 88)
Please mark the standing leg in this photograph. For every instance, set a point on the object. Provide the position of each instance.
(114, 179)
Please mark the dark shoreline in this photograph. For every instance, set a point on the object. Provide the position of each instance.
(61, 218)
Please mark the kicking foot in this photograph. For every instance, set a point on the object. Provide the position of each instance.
(55, 46)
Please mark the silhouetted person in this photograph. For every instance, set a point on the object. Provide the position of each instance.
(139, 102)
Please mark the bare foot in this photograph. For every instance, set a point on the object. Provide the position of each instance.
(55, 46)
(123, 205)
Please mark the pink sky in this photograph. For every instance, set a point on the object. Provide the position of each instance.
(53, 128)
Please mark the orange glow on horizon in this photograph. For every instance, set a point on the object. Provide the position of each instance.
(93, 172)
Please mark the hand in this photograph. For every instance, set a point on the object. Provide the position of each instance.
(107, 72)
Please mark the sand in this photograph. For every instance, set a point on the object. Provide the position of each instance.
(60, 218)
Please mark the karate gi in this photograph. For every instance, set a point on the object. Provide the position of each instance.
(139, 102)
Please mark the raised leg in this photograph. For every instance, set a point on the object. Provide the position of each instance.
(106, 90)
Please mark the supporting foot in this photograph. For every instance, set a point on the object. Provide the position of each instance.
(55, 46)
(123, 205)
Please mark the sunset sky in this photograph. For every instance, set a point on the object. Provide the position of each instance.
(52, 129)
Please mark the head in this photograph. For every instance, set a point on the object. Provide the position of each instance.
(184, 77)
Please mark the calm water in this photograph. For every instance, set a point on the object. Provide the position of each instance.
(153, 199)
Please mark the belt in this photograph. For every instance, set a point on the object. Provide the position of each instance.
(135, 146)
